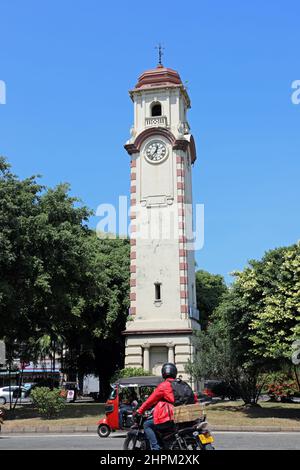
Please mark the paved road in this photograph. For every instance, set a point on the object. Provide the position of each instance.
(223, 440)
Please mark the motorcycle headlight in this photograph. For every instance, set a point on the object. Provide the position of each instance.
(203, 426)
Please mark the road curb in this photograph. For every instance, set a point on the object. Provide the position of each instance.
(48, 429)
(255, 428)
(93, 429)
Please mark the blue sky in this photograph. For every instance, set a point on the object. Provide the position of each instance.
(68, 66)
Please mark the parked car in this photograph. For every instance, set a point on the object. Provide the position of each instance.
(30, 386)
(219, 388)
(14, 391)
(210, 387)
(202, 397)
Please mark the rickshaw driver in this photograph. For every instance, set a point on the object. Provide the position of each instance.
(126, 404)
(162, 399)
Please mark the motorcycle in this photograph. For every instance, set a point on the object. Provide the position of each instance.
(184, 436)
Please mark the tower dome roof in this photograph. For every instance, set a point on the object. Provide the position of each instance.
(160, 76)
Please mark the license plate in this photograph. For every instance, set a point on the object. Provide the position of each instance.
(206, 438)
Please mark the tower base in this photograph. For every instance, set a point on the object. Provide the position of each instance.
(151, 349)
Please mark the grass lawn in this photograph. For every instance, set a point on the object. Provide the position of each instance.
(220, 413)
(74, 414)
(232, 413)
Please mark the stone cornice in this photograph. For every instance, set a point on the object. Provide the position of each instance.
(157, 332)
(158, 88)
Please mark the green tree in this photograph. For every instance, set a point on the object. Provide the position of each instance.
(131, 372)
(60, 285)
(259, 317)
(18, 207)
(42, 258)
(274, 286)
(97, 345)
(210, 289)
(216, 358)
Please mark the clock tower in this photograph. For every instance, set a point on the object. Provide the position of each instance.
(163, 309)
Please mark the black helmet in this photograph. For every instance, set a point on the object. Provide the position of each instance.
(169, 370)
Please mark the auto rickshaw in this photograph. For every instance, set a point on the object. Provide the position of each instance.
(140, 386)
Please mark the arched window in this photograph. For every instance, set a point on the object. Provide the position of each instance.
(156, 109)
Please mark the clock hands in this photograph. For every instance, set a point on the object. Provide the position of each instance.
(153, 150)
(156, 151)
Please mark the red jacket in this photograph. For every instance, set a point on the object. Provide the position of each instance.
(162, 398)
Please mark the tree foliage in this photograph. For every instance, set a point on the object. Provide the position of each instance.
(131, 372)
(42, 257)
(210, 289)
(97, 344)
(272, 289)
(216, 359)
(60, 285)
(254, 327)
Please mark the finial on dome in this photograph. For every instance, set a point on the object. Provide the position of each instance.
(160, 54)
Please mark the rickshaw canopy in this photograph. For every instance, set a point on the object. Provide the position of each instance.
(146, 381)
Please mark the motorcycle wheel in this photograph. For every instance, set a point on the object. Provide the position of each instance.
(208, 447)
(130, 444)
(192, 444)
(103, 430)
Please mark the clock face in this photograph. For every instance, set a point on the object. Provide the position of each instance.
(156, 151)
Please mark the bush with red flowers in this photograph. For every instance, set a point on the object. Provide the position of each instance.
(280, 387)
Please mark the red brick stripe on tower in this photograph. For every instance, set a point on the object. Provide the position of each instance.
(133, 230)
(183, 265)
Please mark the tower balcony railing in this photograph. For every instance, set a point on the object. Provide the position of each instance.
(156, 121)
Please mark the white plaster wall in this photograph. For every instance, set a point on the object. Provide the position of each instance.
(157, 246)
(173, 106)
(156, 179)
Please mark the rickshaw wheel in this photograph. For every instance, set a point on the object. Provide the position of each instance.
(103, 430)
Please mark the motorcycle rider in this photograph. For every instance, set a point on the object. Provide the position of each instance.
(162, 399)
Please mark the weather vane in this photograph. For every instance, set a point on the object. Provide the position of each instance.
(160, 53)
